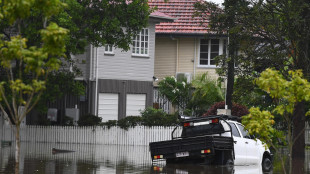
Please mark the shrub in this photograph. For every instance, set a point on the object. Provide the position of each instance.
(130, 121)
(89, 120)
(237, 109)
(157, 117)
(109, 123)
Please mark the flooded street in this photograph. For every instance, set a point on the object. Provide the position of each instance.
(90, 159)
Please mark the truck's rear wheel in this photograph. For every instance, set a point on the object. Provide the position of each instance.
(266, 164)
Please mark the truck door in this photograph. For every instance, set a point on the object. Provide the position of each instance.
(251, 146)
(239, 146)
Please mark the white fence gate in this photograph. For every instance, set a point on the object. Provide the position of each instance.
(139, 135)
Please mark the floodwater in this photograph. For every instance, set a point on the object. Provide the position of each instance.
(37, 158)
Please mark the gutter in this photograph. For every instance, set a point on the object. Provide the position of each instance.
(96, 96)
(195, 55)
(177, 63)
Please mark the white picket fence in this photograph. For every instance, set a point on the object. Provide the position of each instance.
(139, 135)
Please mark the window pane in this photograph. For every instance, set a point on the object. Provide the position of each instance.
(203, 55)
(212, 62)
(204, 48)
(224, 46)
(215, 41)
(214, 48)
(234, 130)
(140, 44)
(214, 55)
(204, 41)
(203, 62)
(244, 132)
(146, 31)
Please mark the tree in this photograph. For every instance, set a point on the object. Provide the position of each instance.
(97, 22)
(287, 93)
(94, 22)
(275, 33)
(27, 66)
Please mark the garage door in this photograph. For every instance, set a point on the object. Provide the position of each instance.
(108, 106)
(134, 104)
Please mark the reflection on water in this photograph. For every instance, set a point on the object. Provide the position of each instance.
(193, 169)
(38, 158)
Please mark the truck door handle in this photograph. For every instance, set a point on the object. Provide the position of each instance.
(246, 143)
(235, 142)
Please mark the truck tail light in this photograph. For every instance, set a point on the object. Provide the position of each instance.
(188, 124)
(157, 168)
(158, 157)
(216, 120)
(206, 151)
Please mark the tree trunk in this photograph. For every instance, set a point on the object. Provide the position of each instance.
(230, 82)
(17, 148)
(298, 151)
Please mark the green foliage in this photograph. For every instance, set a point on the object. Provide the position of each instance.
(287, 92)
(206, 93)
(67, 121)
(128, 122)
(149, 117)
(59, 84)
(247, 93)
(89, 120)
(177, 92)
(27, 66)
(157, 117)
(261, 124)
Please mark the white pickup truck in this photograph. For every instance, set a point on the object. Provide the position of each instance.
(219, 140)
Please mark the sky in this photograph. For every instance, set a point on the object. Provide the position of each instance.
(217, 1)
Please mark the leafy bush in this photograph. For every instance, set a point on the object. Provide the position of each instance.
(205, 94)
(237, 109)
(109, 123)
(130, 121)
(157, 117)
(177, 92)
(149, 117)
(89, 120)
(67, 121)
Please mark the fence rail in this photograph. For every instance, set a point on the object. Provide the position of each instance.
(139, 135)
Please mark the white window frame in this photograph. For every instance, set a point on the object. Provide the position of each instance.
(140, 43)
(108, 49)
(221, 51)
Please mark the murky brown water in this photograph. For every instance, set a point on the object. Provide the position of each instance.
(100, 159)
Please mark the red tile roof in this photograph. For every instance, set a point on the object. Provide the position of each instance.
(183, 11)
(157, 14)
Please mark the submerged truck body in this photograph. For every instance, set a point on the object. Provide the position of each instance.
(219, 140)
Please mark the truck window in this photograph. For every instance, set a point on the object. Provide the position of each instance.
(234, 130)
(202, 130)
(244, 132)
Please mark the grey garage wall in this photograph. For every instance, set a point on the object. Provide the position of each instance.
(123, 87)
